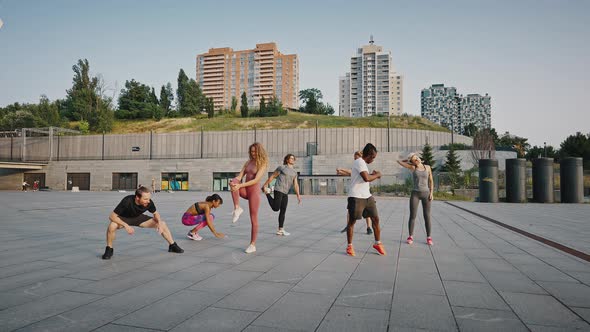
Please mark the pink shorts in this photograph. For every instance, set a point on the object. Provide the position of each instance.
(191, 220)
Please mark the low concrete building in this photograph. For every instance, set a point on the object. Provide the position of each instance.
(206, 161)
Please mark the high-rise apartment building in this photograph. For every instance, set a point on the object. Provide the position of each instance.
(372, 87)
(344, 95)
(443, 105)
(476, 109)
(223, 73)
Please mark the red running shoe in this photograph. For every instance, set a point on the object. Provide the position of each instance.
(410, 240)
(380, 249)
(350, 250)
(429, 241)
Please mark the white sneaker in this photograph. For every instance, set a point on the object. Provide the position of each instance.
(195, 237)
(236, 214)
(251, 248)
(283, 232)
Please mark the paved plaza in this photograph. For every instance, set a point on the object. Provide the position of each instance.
(478, 276)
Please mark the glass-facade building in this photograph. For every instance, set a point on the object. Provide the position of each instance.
(444, 106)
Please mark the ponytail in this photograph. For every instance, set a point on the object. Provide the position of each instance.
(214, 197)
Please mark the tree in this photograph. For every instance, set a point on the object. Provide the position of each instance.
(234, 104)
(210, 107)
(326, 109)
(310, 99)
(194, 101)
(519, 144)
(136, 101)
(262, 110)
(427, 156)
(483, 145)
(48, 112)
(307, 94)
(453, 168)
(470, 130)
(495, 136)
(86, 99)
(18, 119)
(83, 126)
(105, 121)
(181, 91)
(244, 106)
(312, 104)
(577, 145)
(540, 151)
(189, 97)
(166, 98)
(153, 97)
(275, 107)
(81, 98)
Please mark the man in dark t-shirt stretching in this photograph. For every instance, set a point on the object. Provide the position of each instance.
(129, 213)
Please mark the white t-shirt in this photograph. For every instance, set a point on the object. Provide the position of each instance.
(358, 187)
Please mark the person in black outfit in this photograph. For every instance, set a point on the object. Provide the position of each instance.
(129, 213)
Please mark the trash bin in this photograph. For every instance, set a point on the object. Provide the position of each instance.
(488, 180)
(571, 180)
(515, 180)
(543, 180)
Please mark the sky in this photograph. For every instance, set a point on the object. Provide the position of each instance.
(531, 56)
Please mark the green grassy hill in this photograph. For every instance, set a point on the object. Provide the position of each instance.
(290, 121)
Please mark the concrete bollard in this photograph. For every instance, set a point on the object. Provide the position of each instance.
(488, 180)
(515, 180)
(571, 180)
(543, 180)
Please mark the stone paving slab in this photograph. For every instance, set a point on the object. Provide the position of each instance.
(478, 276)
(567, 224)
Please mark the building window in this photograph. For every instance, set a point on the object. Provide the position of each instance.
(80, 180)
(174, 181)
(30, 178)
(124, 181)
(221, 180)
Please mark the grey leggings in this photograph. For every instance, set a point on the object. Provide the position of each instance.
(414, 200)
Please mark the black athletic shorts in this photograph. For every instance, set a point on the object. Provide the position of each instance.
(359, 208)
(136, 221)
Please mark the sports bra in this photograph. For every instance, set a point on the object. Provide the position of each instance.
(199, 210)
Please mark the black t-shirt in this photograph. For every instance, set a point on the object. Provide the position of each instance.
(127, 208)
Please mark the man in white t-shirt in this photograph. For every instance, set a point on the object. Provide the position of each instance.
(361, 203)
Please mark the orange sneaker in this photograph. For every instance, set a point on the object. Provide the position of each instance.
(350, 250)
(380, 249)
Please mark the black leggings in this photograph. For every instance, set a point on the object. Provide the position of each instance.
(414, 200)
(279, 203)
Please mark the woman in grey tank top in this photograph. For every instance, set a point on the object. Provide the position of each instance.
(421, 192)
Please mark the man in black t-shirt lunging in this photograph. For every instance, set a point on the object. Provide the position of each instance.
(129, 213)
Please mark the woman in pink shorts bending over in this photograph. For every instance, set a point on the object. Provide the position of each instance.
(253, 169)
(199, 215)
